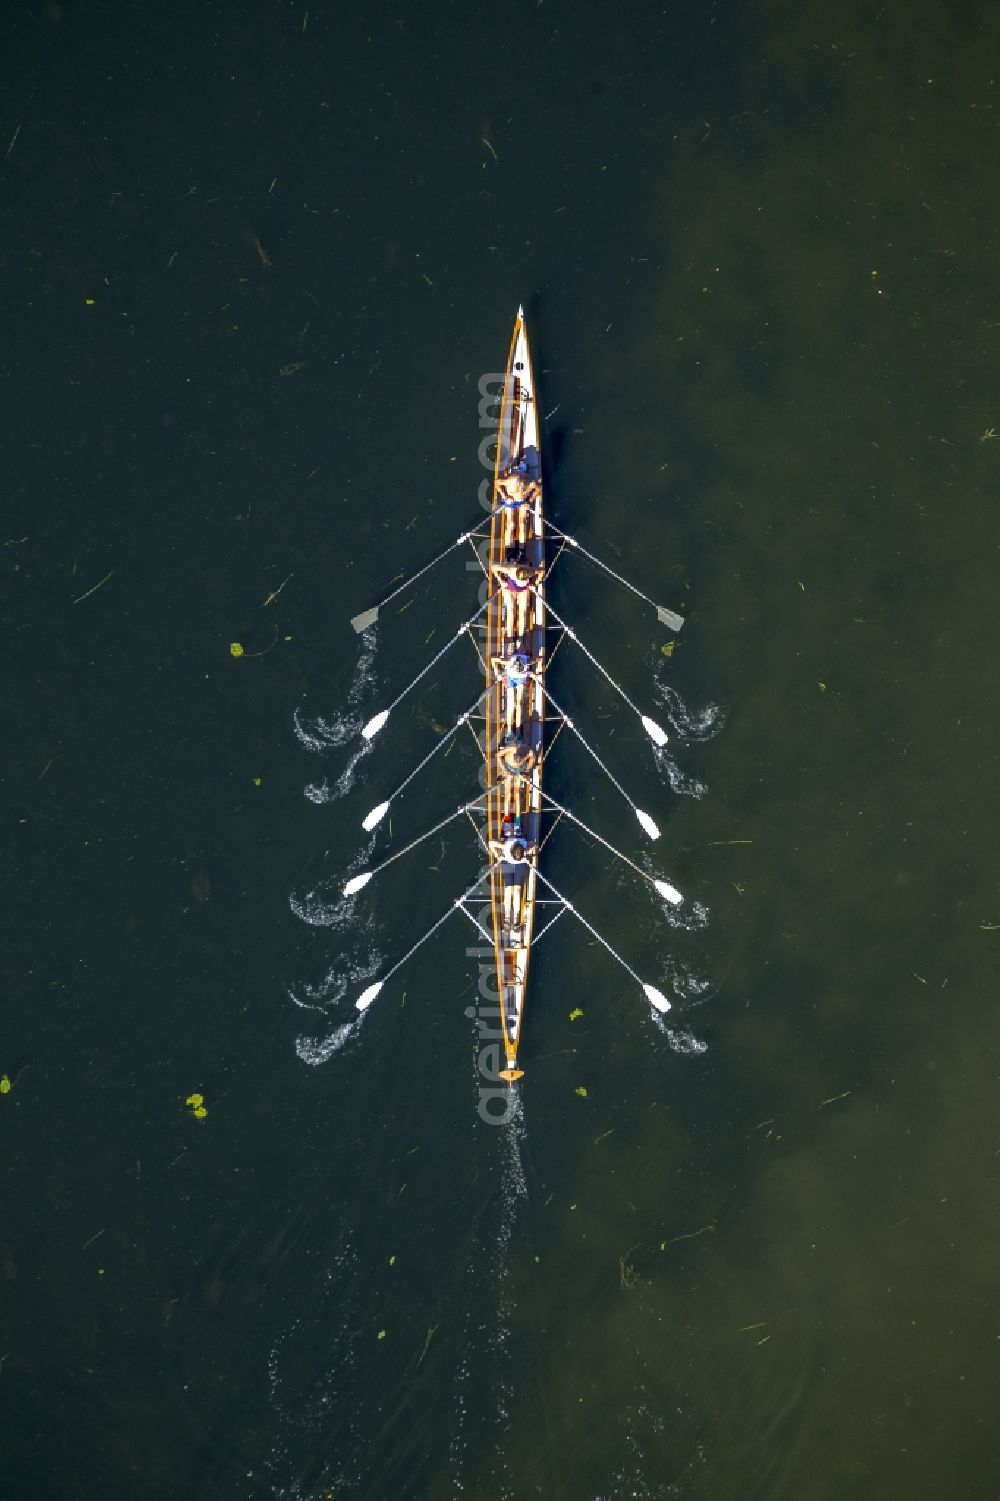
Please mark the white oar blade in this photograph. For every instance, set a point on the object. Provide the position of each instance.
(374, 725)
(658, 736)
(375, 817)
(367, 996)
(669, 893)
(669, 617)
(647, 824)
(364, 620)
(356, 882)
(653, 996)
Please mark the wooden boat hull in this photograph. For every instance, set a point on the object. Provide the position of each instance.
(515, 539)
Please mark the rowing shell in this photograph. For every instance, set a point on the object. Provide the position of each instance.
(515, 620)
(514, 886)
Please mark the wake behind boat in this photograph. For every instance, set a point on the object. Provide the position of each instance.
(515, 632)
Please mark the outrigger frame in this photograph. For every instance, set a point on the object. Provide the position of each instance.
(515, 631)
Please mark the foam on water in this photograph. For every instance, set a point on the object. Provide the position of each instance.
(317, 1050)
(324, 905)
(316, 910)
(680, 782)
(345, 781)
(634, 1476)
(323, 792)
(689, 724)
(319, 735)
(686, 984)
(325, 994)
(487, 1323)
(690, 916)
(307, 1404)
(322, 733)
(343, 981)
(682, 1042)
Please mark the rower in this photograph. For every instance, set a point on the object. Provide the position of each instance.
(513, 671)
(515, 761)
(516, 583)
(513, 849)
(515, 494)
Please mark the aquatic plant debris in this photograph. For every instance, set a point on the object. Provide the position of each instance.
(430, 1335)
(81, 597)
(5, 1085)
(197, 1104)
(575, 1014)
(237, 649)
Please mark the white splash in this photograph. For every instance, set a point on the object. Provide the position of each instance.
(692, 917)
(684, 1043)
(317, 1050)
(680, 783)
(323, 995)
(689, 724)
(346, 779)
(322, 792)
(324, 905)
(320, 734)
(319, 911)
(689, 915)
(689, 986)
(343, 979)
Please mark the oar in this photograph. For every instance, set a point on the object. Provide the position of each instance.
(367, 996)
(669, 893)
(378, 813)
(645, 822)
(357, 882)
(368, 617)
(654, 997)
(374, 725)
(665, 616)
(656, 734)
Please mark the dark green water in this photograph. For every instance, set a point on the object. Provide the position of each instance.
(757, 249)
